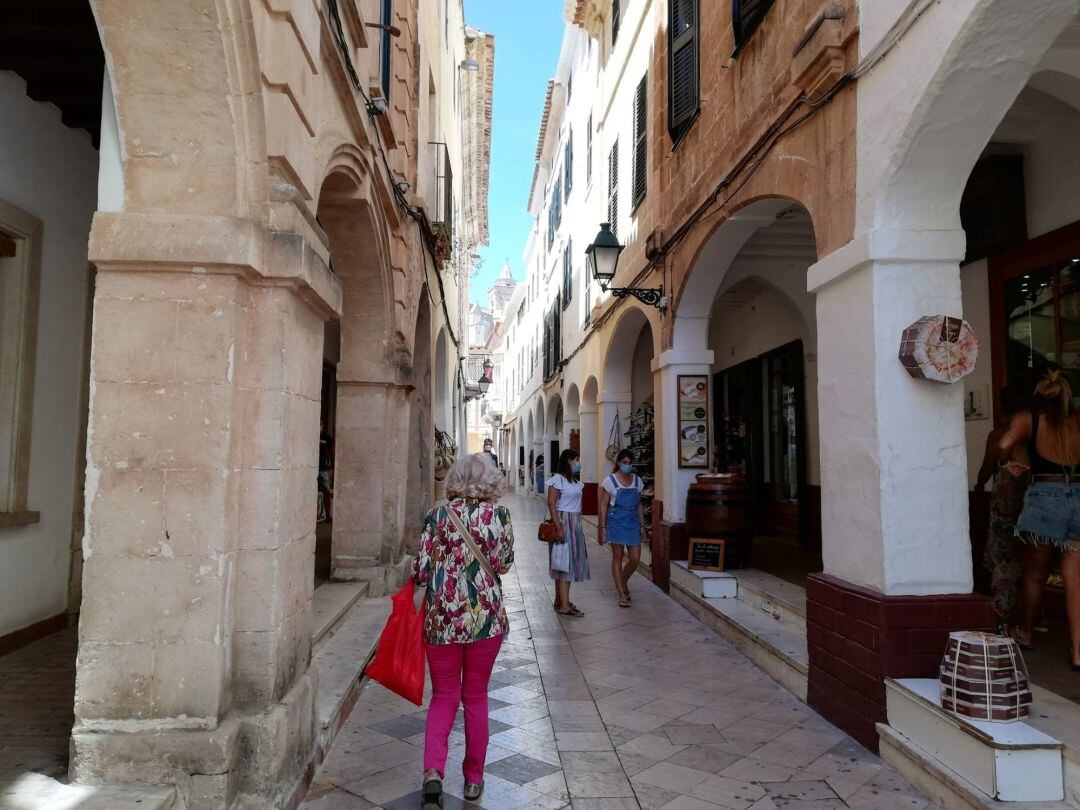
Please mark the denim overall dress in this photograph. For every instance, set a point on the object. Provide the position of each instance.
(623, 521)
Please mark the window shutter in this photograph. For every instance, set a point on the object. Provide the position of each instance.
(568, 274)
(641, 141)
(613, 188)
(588, 151)
(586, 295)
(746, 16)
(683, 82)
(614, 22)
(385, 49)
(568, 162)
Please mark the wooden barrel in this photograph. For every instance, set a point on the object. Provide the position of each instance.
(722, 508)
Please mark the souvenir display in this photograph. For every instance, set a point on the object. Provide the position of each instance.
(694, 421)
(983, 677)
(641, 445)
(939, 349)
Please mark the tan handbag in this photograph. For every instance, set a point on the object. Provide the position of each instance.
(547, 533)
(466, 535)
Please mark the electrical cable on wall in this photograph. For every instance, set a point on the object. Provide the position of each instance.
(427, 236)
(755, 157)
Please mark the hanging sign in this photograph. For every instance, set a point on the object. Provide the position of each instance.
(693, 424)
(939, 349)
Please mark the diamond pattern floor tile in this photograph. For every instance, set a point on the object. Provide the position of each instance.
(624, 709)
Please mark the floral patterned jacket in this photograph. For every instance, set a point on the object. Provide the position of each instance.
(462, 602)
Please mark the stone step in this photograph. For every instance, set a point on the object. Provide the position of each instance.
(340, 662)
(706, 584)
(1059, 717)
(329, 605)
(34, 791)
(968, 763)
(780, 599)
(777, 648)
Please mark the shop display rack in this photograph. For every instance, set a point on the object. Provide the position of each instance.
(642, 446)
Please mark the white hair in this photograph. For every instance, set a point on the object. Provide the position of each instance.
(474, 476)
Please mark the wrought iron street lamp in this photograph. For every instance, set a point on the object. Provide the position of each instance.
(603, 259)
(484, 383)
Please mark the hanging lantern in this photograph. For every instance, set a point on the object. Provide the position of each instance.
(939, 349)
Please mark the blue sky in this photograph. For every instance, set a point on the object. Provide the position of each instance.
(527, 41)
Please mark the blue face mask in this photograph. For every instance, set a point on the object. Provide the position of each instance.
(576, 467)
(626, 469)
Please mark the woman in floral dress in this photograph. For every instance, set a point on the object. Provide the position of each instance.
(465, 621)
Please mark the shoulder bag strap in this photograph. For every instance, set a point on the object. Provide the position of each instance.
(466, 535)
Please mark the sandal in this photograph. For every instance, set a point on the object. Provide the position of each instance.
(624, 602)
(474, 790)
(573, 611)
(1015, 635)
(432, 791)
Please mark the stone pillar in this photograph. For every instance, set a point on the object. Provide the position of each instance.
(894, 480)
(195, 631)
(369, 480)
(590, 458)
(672, 482)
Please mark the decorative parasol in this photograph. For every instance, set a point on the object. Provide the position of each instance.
(939, 348)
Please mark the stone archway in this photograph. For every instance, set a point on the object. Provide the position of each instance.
(944, 102)
(554, 439)
(371, 399)
(440, 391)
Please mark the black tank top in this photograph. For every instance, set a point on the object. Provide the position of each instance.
(1040, 465)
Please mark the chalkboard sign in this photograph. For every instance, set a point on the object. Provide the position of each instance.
(706, 555)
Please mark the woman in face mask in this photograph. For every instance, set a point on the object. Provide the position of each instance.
(564, 504)
(620, 521)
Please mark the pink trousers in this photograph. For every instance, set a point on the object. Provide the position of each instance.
(459, 674)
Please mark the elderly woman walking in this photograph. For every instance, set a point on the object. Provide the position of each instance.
(465, 546)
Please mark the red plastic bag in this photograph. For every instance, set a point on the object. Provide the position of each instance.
(399, 658)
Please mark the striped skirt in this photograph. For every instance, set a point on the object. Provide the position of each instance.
(574, 532)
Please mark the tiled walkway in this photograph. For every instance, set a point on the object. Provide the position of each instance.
(625, 708)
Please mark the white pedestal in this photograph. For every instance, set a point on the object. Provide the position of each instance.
(1010, 762)
(707, 584)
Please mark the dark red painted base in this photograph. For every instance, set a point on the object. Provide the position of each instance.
(857, 637)
(662, 534)
(28, 635)
(590, 504)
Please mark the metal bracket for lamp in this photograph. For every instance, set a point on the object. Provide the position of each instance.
(602, 257)
(650, 296)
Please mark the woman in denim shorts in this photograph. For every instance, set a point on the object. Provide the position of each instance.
(1050, 520)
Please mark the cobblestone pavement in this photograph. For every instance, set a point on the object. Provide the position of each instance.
(37, 696)
(626, 708)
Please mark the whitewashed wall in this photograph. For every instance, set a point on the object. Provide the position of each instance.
(49, 171)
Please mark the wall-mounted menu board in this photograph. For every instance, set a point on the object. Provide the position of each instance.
(693, 440)
(706, 555)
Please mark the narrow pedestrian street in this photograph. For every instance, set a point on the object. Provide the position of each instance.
(624, 708)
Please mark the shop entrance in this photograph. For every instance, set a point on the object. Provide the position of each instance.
(1034, 295)
(759, 409)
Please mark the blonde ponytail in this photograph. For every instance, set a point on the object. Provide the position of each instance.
(1055, 391)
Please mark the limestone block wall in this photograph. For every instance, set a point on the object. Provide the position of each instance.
(788, 56)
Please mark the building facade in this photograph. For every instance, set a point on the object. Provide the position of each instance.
(236, 247)
(799, 182)
(484, 414)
